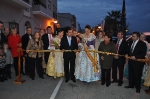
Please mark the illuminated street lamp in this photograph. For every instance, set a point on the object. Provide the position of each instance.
(99, 27)
(55, 21)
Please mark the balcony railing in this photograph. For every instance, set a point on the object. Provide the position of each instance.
(27, 1)
(38, 2)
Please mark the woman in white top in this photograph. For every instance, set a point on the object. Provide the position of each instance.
(99, 39)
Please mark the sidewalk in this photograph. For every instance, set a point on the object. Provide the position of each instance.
(95, 90)
(30, 89)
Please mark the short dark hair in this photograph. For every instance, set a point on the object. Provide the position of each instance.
(109, 35)
(1, 22)
(28, 28)
(120, 32)
(88, 26)
(49, 27)
(68, 28)
(137, 33)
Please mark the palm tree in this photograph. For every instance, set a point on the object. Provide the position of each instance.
(113, 22)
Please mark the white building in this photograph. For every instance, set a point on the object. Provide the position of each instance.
(67, 19)
(34, 13)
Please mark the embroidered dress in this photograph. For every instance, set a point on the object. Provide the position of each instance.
(84, 69)
(55, 65)
(147, 76)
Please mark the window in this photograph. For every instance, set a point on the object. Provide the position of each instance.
(49, 5)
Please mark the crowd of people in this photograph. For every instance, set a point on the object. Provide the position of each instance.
(79, 64)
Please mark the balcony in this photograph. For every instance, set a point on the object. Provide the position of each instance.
(40, 10)
(19, 3)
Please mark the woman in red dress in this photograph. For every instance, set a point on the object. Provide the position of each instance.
(14, 41)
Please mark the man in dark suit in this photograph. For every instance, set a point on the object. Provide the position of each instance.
(25, 39)
(2, 36)
(137, 51)
(122, 49)
(69, 42)
(47, 41)
(6, 34)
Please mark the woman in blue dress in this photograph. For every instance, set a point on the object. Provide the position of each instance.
(87, 63)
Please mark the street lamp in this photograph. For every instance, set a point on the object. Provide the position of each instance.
(99, 27)
(55, 21)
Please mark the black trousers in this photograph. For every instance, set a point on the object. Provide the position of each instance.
(16, 65)
(120, 65)
(106, 76)
(135, 73)
(46, 56)
(2, 73)
(8, 70)
(27, 65)
(36, 63)
(69, 73)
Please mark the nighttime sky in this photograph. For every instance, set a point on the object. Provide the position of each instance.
(93, 12)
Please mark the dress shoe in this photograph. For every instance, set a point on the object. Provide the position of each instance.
(9, 77)
(137, 90)
(102, 83)
(23, 73)
(73, 80)
(5, 78)
(119, 84)
(32, 78)
(42, 77)
(129, 87)
(66, 80)
(114, 81)
(107, 85)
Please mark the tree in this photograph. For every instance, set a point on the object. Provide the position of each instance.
(113, 22)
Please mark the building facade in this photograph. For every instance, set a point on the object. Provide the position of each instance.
(67, 19)
(37, 14)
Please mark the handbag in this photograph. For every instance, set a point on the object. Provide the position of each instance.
(44, 64)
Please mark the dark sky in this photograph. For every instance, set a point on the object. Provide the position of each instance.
(93, 12)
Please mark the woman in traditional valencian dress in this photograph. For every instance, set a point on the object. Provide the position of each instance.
(55, 63)
(87, 63)
(147, 77)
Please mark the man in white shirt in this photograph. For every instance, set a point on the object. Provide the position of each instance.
(118, 62)
(47, 41)
(137, 51)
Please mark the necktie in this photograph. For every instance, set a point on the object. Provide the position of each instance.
(50, 42)
(69, 41)
(117, 45)
(131, 50)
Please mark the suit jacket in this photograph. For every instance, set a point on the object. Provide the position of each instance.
(32, 45)
(25, 40)
(139, 51)
(2, 38)
(45, 40)
(123, 50)
(65, 45)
